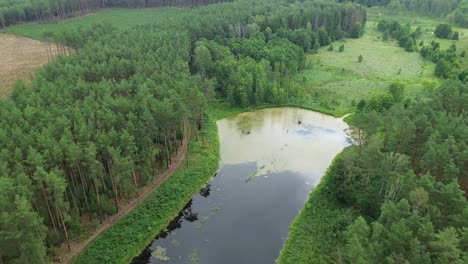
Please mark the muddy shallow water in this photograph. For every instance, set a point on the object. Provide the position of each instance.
(270, 161)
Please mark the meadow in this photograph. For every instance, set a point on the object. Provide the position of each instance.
(335, 81)
(428, 25)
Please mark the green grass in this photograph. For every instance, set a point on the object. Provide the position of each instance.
(134, 232)
(315, 235)
(428, 24)
(119, 18)
(335, 81)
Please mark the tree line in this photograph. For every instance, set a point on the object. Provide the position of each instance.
(94, 127)
(456, 11)
(17, 11)
(406, 180)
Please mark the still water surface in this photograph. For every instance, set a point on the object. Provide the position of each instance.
(270, 161)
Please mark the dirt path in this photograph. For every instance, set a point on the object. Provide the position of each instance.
(77, 247)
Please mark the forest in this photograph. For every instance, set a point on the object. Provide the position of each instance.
(17, 11)
(93, 127)
(405, 185)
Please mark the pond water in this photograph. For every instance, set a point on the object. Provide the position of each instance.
(270, 161)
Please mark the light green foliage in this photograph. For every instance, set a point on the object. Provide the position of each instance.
(334, 80)
(118, 18)
(427, 25)
(160, 254)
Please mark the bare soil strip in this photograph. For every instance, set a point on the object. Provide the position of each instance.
(19, 58)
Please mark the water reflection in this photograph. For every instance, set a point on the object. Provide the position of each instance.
(282, 139)
(270, 160)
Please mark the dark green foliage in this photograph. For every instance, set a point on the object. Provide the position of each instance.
(126, 238)
(358, 30)
(397, 90)
(443, 31)
(93, 128)
(406, 178)
(406, 38)
(341, 48)
(443, 68)
(448, 65)
(360, 58)
(314, 234)
(22, 232)
(330, 48)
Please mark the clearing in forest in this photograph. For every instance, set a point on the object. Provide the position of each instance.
(19, 58)
(336, 81)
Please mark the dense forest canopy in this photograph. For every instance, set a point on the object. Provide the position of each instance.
(404, 179)
(94, 127)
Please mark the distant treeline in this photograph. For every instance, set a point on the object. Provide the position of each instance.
(17, 11)
(455, 10)
(93, 128)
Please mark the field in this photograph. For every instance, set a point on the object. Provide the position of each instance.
(20, 57)
(23, 54)
(120, 18)
(336, 81)
(428, 26)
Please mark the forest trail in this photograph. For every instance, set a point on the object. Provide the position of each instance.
(67, 256)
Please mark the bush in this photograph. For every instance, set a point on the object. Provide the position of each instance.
(341, 48)
(443, 31)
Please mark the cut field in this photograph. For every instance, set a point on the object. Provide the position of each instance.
(336, 81)
(119, 18)
(20, 57)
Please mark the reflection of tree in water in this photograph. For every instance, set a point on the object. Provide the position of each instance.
(186, 214)
(189, 215)
(205, 192)
(246, 122)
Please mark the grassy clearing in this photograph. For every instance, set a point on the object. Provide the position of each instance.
(314, 236)
(428, 24)
(119, 18)
(335, 81)
(20, 57)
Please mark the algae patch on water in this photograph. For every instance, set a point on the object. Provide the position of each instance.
(160, 254)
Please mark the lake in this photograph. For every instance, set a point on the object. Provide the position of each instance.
(270, 161)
